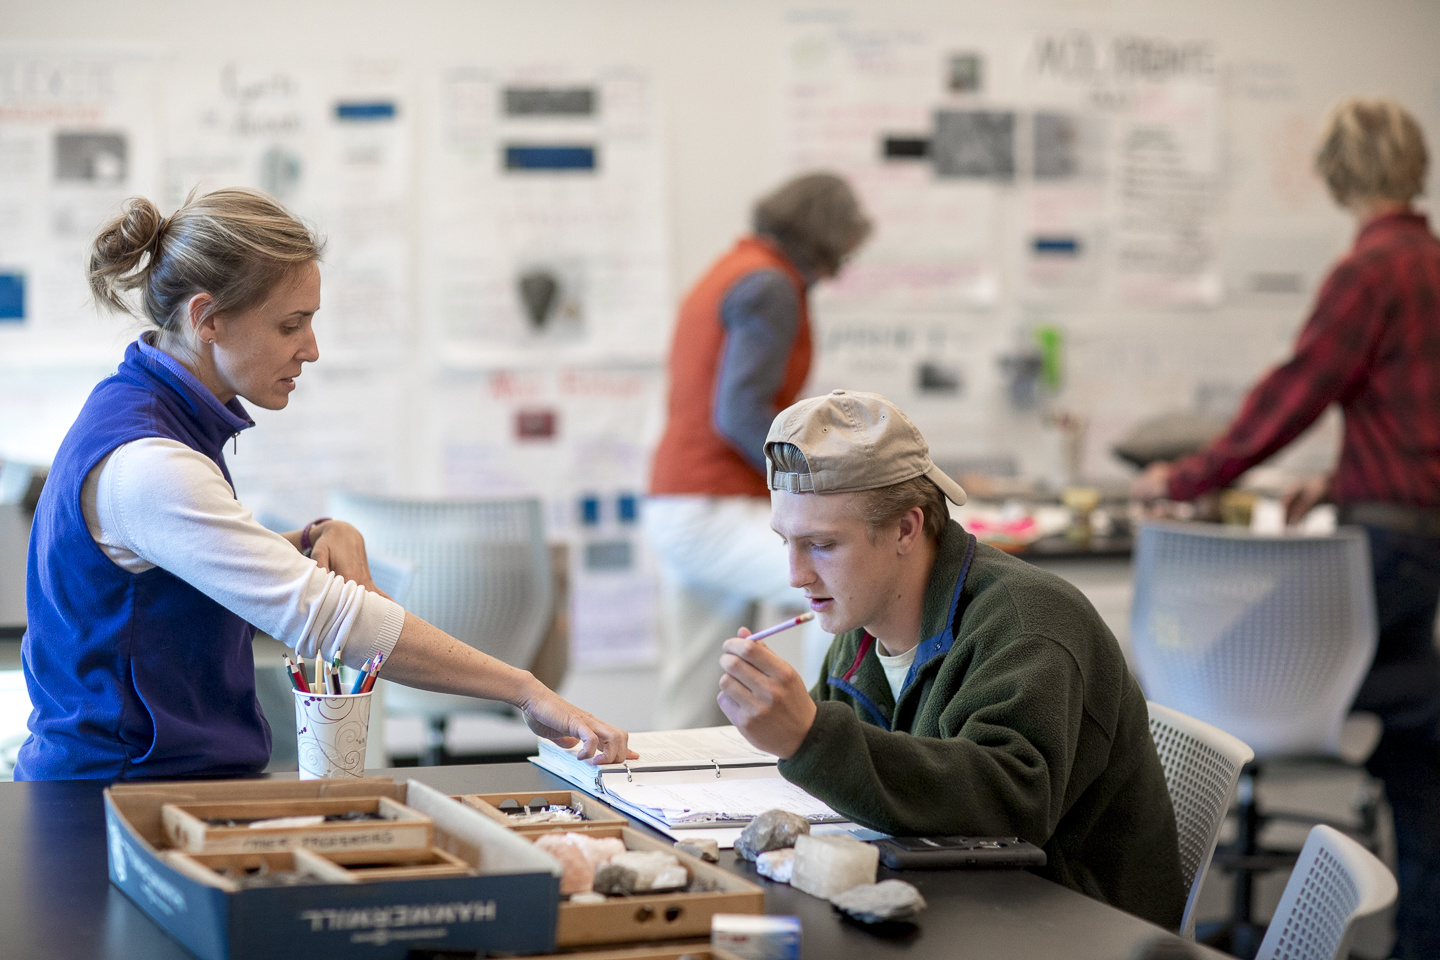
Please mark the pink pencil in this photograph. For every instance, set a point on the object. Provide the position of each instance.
(792, 622)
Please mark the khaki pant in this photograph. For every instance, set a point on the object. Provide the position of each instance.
(720, 563)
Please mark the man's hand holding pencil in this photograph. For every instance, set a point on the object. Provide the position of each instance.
(763, 695)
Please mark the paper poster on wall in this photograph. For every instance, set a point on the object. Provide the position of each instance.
(1158, 100)
(875, 106)
(77, 136)
(544, 234)
(333, 143)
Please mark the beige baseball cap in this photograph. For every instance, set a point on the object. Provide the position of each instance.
(852, 441)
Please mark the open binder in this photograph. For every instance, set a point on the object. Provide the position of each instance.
(708, 782)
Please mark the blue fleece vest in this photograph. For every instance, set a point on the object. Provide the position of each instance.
(133, 675)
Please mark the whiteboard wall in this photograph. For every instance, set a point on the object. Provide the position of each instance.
(715, 96)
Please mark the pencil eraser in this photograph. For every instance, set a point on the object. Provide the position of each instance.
(756, 936)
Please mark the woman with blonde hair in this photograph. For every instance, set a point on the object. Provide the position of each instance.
(1372, 346)
(147, 578)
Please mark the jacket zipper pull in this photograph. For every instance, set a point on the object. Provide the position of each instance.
(235, 442)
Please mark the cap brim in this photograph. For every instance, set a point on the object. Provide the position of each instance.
(952, 490)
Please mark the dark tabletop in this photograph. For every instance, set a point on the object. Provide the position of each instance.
(56, 900)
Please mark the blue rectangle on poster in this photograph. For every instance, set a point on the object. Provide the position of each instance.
(1056, 245)
(374, 110)
(531, 157)
(12, 297)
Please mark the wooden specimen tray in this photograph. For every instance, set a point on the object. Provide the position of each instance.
(422, 864)
(596, 814)
(212, 869)
(400, 829)
(694, 950)
(658, 916)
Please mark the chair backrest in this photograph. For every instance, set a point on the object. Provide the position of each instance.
(1265, 637)
(1202, 764)
(481, 567)
(1335, 882)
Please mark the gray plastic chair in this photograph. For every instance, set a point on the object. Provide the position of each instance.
(1202, 764)
(1265, 637)
(1335, 882)
(482, 574)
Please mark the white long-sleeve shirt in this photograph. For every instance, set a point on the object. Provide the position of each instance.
(155, 502)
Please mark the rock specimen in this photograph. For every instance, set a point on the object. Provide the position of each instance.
(772, 830)
(888, 900)
(778, 865)
(708, 850)
(591, 897)
(641, 872)
(827, 865)
(579, 856)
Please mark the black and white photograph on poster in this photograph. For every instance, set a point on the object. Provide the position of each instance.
(1066, 145)
(551, 297)
(93, 157)
(938, 379)
(974, 143)
(965, 72)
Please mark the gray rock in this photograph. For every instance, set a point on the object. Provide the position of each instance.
(702, 884)
(708, 850)
(772, 830)
(888, 900)
(640, 872)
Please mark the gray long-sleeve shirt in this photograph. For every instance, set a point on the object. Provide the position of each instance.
(761, 315)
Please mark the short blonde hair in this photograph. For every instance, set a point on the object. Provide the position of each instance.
(235, 244)
(816, 217)
(883, 506)
(1371, 149)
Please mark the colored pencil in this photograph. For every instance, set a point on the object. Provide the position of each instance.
(297, 676)
(792, 622)
(374, 673)
(364, 675)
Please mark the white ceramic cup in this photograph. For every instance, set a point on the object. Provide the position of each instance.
(331, 731)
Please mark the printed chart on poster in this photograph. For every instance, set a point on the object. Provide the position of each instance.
(78, 134)
(544, 225)
(578, 437)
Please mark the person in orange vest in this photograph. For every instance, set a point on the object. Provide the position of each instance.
(740, 354)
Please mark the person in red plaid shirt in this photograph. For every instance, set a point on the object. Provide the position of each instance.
(1372, 345)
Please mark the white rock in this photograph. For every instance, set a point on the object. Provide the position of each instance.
(590, 897)
(879, 902)
(778, 865)
(831, 864)
(641, 872)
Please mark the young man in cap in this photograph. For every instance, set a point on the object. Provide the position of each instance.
(966, 692)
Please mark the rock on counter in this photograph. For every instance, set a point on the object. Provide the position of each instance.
(707, 850)
(772, 830)
(778, 865)
(888, 900)
(579, 855)
(651, 871)
(827, 865)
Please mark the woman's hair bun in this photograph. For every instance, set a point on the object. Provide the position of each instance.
(120, 250)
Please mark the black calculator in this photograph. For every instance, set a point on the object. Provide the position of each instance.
(949, 853)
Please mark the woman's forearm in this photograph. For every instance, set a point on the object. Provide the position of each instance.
(429, 658)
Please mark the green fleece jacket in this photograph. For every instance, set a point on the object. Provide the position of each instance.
(1018, 718)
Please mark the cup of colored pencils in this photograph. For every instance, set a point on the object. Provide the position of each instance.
(332, 717)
